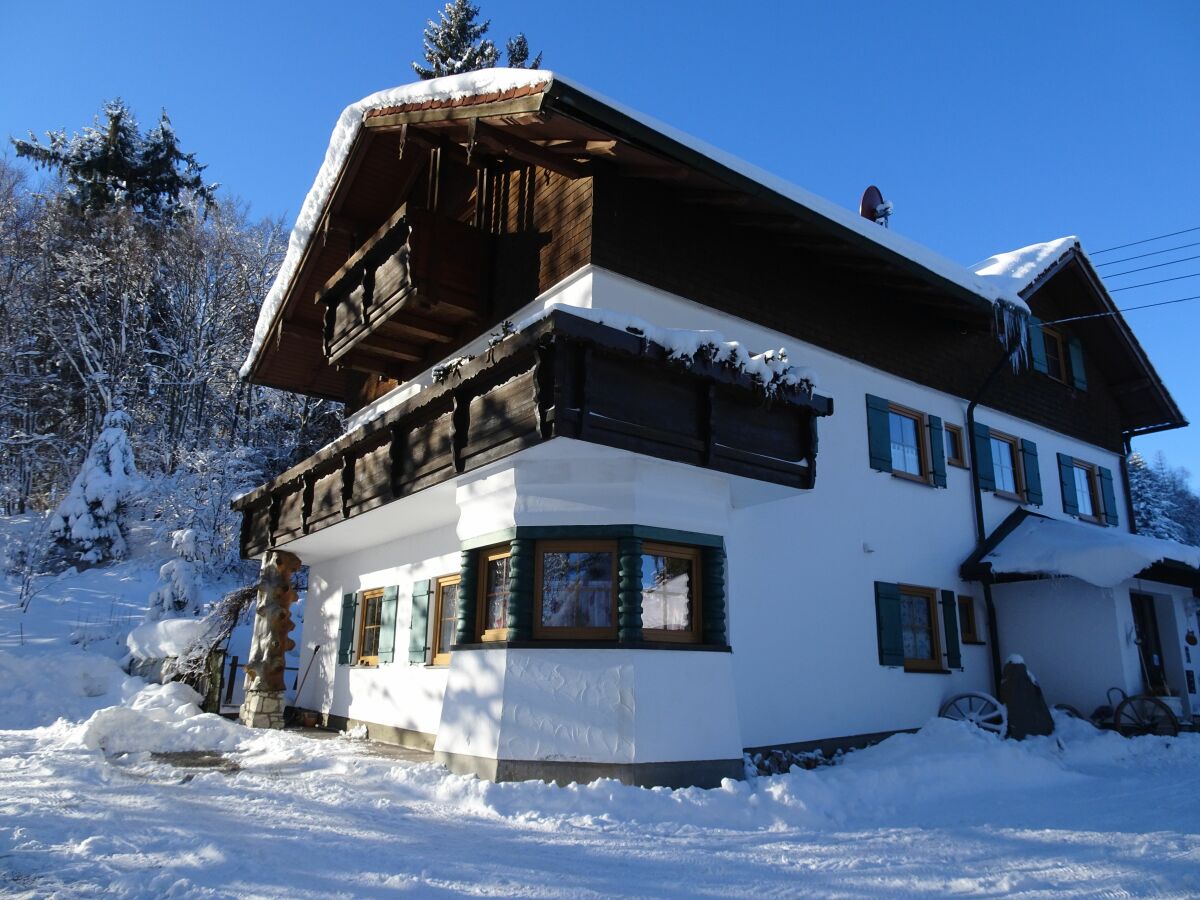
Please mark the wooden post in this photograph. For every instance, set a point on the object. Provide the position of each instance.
(265, 697)
(520, 590)
(629, 596)
(468, 594)
(714, 596)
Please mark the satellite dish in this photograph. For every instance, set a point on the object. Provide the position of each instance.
(874, 207)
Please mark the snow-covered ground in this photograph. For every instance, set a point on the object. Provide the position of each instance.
(89, 804)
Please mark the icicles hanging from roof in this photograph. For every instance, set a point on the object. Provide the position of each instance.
(1011, 326)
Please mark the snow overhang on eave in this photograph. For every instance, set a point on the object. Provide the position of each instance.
(1028, 546)
(503, 91)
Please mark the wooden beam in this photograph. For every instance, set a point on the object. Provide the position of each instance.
(411, 324)
(506, 144)
(527, 104)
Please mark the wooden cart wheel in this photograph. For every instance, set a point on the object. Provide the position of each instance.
(1144, 714)
(981, 710)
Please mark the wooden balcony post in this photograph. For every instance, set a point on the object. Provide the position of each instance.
(265, 689)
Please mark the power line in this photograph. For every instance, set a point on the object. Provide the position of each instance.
(1130, 287)
(1145, 241)
(1113, 262)
(1124, 309)
(1155, 266)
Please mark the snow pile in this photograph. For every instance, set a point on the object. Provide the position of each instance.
(996, 291)
(160, 718)
(166, 639)
(40, 687)
(1104, 557)
(90, 515)
(346, 131)
(770, 369)
(1018, 269)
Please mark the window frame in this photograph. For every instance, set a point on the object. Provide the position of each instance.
(574, 545)
(922, 423)
(1094, 495)
(957, 430)
(1060, 341)
(1014, 444)
(441, 655)
(935, 631)
(486, 557)
(695, 634)
(360, 628)
(968, 624)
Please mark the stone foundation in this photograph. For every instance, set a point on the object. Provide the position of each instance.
(263, 709)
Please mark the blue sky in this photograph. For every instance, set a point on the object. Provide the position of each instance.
(989, 126)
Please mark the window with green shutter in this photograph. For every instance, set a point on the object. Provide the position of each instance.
(914, 629)
(1087, 490)
(346, 629)
(387, 624)
(950, 630)
(418, 622)
(1032, 473)
(905, 442)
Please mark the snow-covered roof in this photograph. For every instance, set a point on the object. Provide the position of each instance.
(501, 83)
(1104, 557)
(1017, 270)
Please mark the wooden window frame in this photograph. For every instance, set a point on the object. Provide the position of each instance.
(1051, 334)
(922, 421)
(968, 624)
(360, 628)
(695, 634)
(544, 632)
(961, 459)
(441, 655)
(935, 633)
(1018, 468)
(1093, 478)
(486, 558)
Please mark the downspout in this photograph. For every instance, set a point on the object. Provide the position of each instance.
(980, 527)
(1127, 445)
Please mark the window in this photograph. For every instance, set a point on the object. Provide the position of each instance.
(908, 454)
(1086, 495)
(369, 622)
(1056, 358)
(956, 454)
(1005, 466)
(966, 620)
(493, 588)
(918, 621)
(670, 593)
(577, 589)
(445, 618)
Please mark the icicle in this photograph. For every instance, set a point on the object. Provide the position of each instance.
(1011, 326)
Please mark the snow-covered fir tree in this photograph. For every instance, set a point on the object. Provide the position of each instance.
(458, 43)
(516, 49)
(89, 521)
(178, 591)
(114, 162)
(1153, 506)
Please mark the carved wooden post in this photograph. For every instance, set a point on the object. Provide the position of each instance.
(265, 698)
(629, 595)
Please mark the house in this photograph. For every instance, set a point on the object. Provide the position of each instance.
(581, 524)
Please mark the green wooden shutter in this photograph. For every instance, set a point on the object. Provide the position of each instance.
(950, 630)
(418, 623)
(1037, 346)
(1066, 477)
(1033, 473)
(1108, 495)
(879, 436)
(1078, 373)
(387, 624)
(981, 449)
(937, 451)
(346, 628)
(888, 624)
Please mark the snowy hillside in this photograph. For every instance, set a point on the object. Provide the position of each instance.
(110, 785)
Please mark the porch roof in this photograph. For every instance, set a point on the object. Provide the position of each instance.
(1028, 545)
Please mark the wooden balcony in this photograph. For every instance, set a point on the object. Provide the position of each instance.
(564, 376)
(410, 287)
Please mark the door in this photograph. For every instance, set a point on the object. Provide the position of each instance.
(1145, 623)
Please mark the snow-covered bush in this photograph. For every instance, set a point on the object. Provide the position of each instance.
(90, 519)
(178, 591)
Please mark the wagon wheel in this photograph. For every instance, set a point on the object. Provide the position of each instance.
(1144, 714)
(981, 710)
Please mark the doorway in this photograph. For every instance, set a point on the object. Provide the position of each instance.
(1145, 624)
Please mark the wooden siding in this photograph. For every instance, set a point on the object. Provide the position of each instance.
(642, 230)
(564, 376)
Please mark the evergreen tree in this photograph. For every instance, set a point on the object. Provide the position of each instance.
(457, 44)
(114, 162)
(517, 51)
